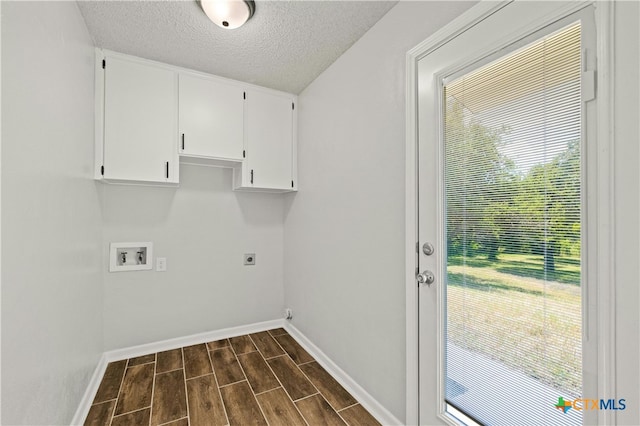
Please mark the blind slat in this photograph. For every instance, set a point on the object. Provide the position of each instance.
(513, 185)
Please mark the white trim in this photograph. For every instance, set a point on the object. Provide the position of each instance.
(194, 339)
(605, 205)
(155, 347)
(411, 241)
(439, 38)
(604, 18)
(376, 409)
(459, 25)
(92, 388)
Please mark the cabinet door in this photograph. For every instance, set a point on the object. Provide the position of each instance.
(269, 129)
(140, 122)
(211, 118)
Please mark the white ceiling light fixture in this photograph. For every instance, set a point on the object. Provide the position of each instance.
(228, 14)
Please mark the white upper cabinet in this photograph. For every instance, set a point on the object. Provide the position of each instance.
(211, 118)
(140, 122)
(152, 116)
(269, 142)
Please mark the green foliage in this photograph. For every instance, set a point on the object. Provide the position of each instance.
(475, 174)
(493, 209)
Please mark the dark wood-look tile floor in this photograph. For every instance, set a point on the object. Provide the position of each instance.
(263, 378)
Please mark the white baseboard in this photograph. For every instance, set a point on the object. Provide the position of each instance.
(194, 339)
(370, 403)
(89, 393)
(376, 409)
(163, 345)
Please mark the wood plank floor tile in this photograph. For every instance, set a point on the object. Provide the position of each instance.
(358, 416)
(169, 398)
(258, 373)
(226, 366)
(278, 331)
(242, 344)
(218, 344)
(169, 360)
(266, 345)
(317, 412)
(196, 361)
(140, 417)
(279, 409)
(290, 397)
(100, 414)
(181, 422)
(242, 407)
(142, 359)
(335, 394)
(293, 349)
(136, 389)
(110, 384)
(205, 405)
(291, 377)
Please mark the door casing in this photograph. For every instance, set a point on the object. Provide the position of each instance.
(602, 220)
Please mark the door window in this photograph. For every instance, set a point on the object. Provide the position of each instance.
(512, 157)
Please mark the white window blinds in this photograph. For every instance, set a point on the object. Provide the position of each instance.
(513, 209)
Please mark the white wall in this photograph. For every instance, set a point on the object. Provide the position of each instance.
(344, 230)
(203, 229)
(61, 307)
(343, 235)
(51, 280)
(627, 214)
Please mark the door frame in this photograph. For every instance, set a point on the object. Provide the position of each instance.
(604, 220)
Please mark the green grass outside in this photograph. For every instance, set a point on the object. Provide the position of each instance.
(567, 269)
(507, 312)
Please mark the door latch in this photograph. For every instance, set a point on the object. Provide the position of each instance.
(426, 277)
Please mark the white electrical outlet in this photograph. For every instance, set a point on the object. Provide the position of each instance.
(288, 314)
(161, 264)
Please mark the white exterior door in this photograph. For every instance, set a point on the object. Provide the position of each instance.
(501, 32)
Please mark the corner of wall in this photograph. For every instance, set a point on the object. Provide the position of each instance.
(51, 281)
(344, 231)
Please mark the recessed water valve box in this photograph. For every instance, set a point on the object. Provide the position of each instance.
(130, 257)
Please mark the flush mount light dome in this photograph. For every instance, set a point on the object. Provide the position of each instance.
(228, 14)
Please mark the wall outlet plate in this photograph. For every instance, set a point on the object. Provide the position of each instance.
(250, 259)
(130, 256)
(161, 264)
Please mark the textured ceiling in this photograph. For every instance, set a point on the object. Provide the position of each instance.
(285, 46)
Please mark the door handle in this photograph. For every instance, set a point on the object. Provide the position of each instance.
(426, 277)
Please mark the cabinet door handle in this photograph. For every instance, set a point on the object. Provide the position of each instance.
(252, 176)
(183, 141)
(167, 170)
